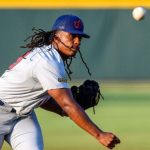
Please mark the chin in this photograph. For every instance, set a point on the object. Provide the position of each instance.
(73, 54)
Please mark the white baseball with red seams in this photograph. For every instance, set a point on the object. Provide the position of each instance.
(139, 13)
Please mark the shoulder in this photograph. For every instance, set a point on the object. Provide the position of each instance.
(50, 69)
(48, 53)
(49, 59)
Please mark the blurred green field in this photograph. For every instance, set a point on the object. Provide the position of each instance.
(125, 112)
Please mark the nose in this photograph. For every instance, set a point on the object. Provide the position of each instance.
(77, 40)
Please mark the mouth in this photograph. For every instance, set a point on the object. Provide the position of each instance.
(74, 49)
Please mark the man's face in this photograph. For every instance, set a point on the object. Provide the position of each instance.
(72, 42)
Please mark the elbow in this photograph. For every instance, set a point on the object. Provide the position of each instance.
(69, 107)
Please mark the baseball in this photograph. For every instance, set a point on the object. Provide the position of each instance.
(139, 13)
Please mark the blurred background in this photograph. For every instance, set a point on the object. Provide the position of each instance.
(117, 55)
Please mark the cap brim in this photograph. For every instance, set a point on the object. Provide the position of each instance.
(75, 32)
(86, 36)
(78, 32)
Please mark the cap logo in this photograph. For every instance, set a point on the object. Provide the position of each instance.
(61, 27)
(78, 24)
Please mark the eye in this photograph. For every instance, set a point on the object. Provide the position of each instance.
(73, 35)
(80, 37)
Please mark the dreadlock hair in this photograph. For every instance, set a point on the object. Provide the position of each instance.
(41, 38)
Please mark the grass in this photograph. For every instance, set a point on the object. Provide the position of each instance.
(124, 112)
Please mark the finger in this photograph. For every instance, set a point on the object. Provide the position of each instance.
(114, 142)
(111, 146)
(117, 140)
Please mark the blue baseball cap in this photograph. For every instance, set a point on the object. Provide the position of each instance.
(71, 24)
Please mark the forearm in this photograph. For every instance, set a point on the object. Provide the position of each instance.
(78, 115)
(74, 111)
(52, 105)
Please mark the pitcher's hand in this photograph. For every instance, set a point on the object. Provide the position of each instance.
(109, 140)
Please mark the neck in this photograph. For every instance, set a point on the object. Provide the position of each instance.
(63, 56)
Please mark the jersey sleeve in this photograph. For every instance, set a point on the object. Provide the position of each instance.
(50, 74)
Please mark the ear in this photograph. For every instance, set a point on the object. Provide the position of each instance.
(57, 38)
